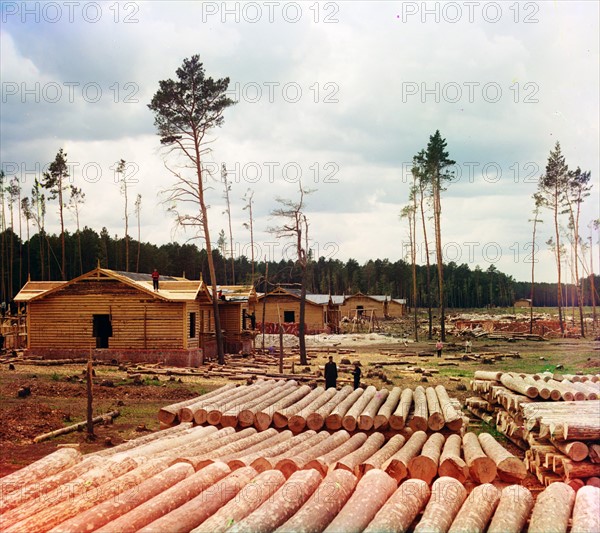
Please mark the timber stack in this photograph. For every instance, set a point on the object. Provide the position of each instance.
(556, 419)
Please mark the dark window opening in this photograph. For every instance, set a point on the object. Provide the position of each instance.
(289, 316)
(192, 325)
(102, 330)
(359, 310)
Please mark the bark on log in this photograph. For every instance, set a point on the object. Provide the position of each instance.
(509, 468)
(447, 497)
(184, 411)
(105, 418)
(575, 450)
(265, 447)
(316, 420)
(290, 465)
(200, 412)
(476, 512)
(425, 465)
(285, 446)
(400, 415)
(333, 421)
(297, 422)
(451, 463)
(552, 509)
(349, 421)
(325, 503)
(452, 417)
(382, 418)
(371, 492)
(366, 419)
(351, 461)
(167, 501)
(399, 512)
(102, 514)
(582, 469)
(513, 510)
(281, 416)
(246, 416)
(45, 467)
(231, 408)
(487, 375)
(397, 465)
(518, 385)
(325, 462)
(380, 457)
(290, 497)
(418, 421)
(254, 494)
(586, 512)
(267, 463)
(198, 509)
(435, 420)
(481, 468)
(586, 430)
(264, 417)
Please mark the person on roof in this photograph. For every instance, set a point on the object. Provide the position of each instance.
(155, 278)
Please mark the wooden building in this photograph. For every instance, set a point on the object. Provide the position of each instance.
(118, 316)
(361, 305)
(237, 313)
(523, 302)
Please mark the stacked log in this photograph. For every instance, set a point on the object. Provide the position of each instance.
(560, 435)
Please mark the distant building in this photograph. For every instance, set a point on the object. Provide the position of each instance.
(522, 302)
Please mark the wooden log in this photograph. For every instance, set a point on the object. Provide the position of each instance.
(250, 497)
(425, 465)
(289, 465)
(586, 511)
(378, 458)
(366, 419)
(593, 481)
(290, 497)
(382, 417)
(171, 414)
(200, 411)
(575, 450)
(452, 418)
(56, 515)
(400, 415)
(477, 510)
(565, 392)
(45, 467)
(228, 412)
(111, 469)
(512, 511)
(281, 416)
(371, 492)
(247, 415)
(264, 417)
(297, 422)
(435, 420)
(397, 465)
(451, 463)
(333, 421)
(316, 420)
(509, 468)
(44, 486)
(105, 418)
(552, 509)
(349, 422)
(263, 463)
(594, 452)
(581, 469)
(418, 421)
(196, 510)
(266, 447)
(482, 469)
(165, 502)
(111, 509)
(447, 497)
(325, 503)
(219, 439)
(585, 430)
(324, 462)
(399, 512)
(284, 446)
(518, 385)
(351, 461)
(487, 375)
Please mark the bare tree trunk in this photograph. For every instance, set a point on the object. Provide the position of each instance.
(559, 299)
(429, 296)
(62, 231)
(302, 328)
(90, 398)
(264, 301)
(438, 245)
(592, 284)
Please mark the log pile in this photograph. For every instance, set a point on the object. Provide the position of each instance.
(287, 404)
(151, 484)
(556, 419)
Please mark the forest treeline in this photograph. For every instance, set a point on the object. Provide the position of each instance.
(39, 258)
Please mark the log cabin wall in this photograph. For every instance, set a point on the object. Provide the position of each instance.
(352, 303)
(314, 314)
(65, 319)
(395, 309)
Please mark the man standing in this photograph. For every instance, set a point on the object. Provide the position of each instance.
(155, 276)
(439, 346)
(356, 374)
(330, 374)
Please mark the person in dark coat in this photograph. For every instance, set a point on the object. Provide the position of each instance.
(330, 374)
(356, 373)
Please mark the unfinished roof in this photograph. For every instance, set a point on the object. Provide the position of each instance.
(31, 289)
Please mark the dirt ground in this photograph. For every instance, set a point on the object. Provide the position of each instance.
(58, 393)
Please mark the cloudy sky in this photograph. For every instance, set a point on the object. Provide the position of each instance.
(338, 94)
